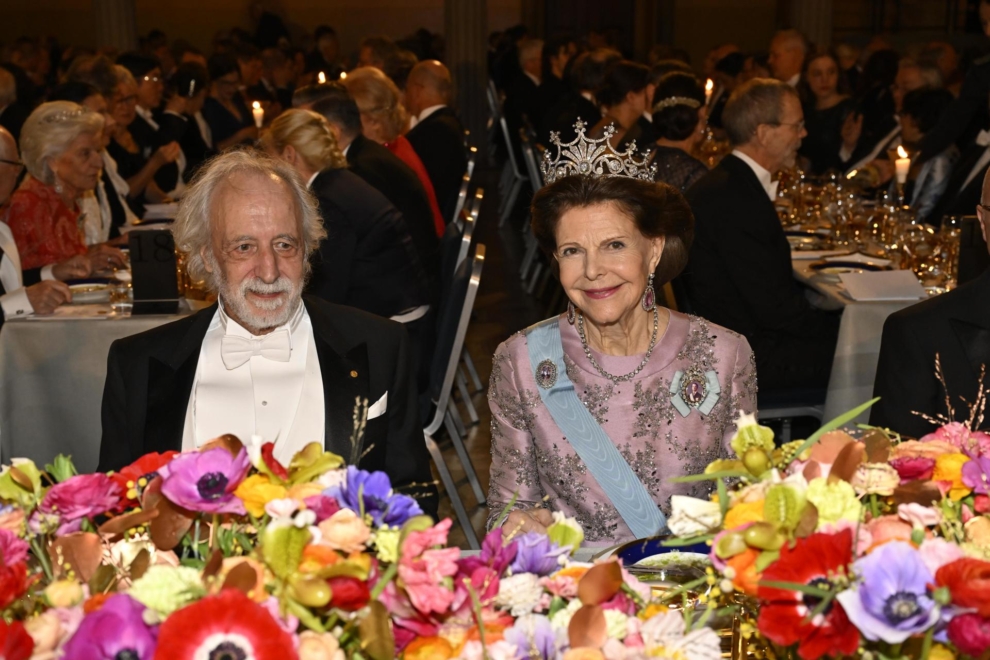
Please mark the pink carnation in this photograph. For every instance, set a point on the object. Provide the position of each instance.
(65, 505)
(971, 443)
(560, 585)
(417, 542)
(423, 578)
(13, 550)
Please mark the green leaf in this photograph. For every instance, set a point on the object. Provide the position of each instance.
(305, 617)
(723, 497)
(766, 558)
(711, 475)
(800, 588)
(678, 542)
(834, 424)
(61, 468)
(21, 483)
(556, 605)
(282, 549)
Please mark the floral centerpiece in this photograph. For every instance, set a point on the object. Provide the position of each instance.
(224, 553)
(862, 545)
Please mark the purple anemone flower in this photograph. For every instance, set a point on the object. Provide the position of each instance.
(976, 473)
(891, 601)
(535, 638)
(116, 630)
(371, 493)
(206, 480)
(536, 553)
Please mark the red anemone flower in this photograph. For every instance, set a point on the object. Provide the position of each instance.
(15, 642)
(228, 625)
(134, 478)
(14, 582)
(785, 615)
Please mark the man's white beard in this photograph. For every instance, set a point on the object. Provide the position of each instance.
(275, 312)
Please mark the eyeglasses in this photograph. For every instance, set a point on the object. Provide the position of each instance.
(152, 79)
(799, 126)
(16, 163)
(985, 207)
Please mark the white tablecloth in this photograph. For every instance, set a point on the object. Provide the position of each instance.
(858, 349)
(51, 385)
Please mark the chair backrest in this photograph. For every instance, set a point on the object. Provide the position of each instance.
(472, 156)
(470, 222)
(512, 154)
(494, 106)
(455, 315)
(529, 156)
(461, 199)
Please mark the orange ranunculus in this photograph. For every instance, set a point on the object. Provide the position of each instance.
(573, 572)
(968, 580)
(94, 603)
(743, 513)
(428, 648)
(948, 469)
(317, 556)
(747, 577)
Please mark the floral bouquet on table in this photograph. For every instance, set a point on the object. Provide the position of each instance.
(870, 545)
(226, 553)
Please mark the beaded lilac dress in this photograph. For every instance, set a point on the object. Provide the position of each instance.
(532, 459)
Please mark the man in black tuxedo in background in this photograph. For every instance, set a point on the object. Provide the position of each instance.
(954, 326)
(265, 360)
(438, 135)
(586, 76)
(383, 170)
(739, 273)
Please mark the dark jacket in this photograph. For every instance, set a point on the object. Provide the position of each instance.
(958, 199)
(150, 377)
(438, 140)
(562, 115)
(955, 326)
(367, 260)
(396, 180)
(739, 275)
(963, 119)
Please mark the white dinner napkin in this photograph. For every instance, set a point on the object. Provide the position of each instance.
(882, 285)
(160, 211)
(860, 259)
(804, 255)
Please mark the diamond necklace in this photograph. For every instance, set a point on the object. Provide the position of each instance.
(632, 374)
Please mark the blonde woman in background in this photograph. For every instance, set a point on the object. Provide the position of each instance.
(384, 120)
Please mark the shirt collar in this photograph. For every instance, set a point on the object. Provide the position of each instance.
(429, 111)
(309, 184)
(762, 173)
(232, 327)
(793, 80)
(535, 80)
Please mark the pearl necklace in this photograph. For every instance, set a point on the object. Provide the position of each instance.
(632, 374)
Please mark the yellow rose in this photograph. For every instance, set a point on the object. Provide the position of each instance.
(319, 646)
(743, 513)
(978, 532)
(345, 531)
(948, 467)
(256, 491)
(64, 593)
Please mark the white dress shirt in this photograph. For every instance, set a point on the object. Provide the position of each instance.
(15, 302)
(204, 129)
(280, 401)
(180, 161)
(794, 80)
(121, 186)
(424, 113)
(762, 173)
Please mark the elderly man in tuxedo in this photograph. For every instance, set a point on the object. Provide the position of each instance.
(265, 360)
(739, 272)
(437, 135)
(953, 327)
(45, 293)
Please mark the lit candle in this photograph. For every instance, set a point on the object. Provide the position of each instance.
(902, 165)
(343, 75)
(259, 114)
(709, 87)
(322, 78)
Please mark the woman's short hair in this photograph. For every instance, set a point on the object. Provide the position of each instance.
(622, 78)
(657, 209)
(124, 76)
(138, 64)
(309, 134)
(378, 97)
(50, 130)
(189, 79)
(757, 101)
(192, 227)
(675, 105)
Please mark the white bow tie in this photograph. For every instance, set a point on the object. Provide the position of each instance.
(235, 351)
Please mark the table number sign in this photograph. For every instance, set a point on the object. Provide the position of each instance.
(156, 290)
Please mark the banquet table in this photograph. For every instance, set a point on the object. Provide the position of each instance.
(52, 372)
(858, 348)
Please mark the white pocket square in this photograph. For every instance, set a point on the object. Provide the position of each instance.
(379, 407)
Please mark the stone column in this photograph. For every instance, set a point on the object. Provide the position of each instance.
(814, 19)
(466, 33)
(116, 25)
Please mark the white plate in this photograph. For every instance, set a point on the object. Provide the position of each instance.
(89, 293)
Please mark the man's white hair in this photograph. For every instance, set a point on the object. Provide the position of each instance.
(193, 227)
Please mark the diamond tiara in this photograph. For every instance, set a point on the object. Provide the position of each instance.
(589, 157)
(670, 102)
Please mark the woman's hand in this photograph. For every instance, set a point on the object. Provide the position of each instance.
(45, 296)
(529, 520)
(103, 256)
(167, 153)
(72, 268)
(852, 128)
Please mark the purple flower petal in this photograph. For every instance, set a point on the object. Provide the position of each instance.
(115, 629)
(205, 481)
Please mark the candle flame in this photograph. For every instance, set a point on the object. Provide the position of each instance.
(901, 153)
(852, 175)
(343, 74)
(322, 77)
(256, 105)
(710, 85)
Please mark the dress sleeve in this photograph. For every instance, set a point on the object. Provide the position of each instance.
(514, 468)
(743, 383)
(32, 230)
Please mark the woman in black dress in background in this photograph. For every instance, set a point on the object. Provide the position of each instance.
(826, 103)
(227, 114)
(679, 120)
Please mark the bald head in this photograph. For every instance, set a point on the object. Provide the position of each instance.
(429, 84)
(8, 172)
(787, 51)
(981, 212)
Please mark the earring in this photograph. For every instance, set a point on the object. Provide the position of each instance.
(570, 312)
(58, 185)
(649, 301)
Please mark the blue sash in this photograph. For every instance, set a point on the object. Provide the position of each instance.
(621, 485)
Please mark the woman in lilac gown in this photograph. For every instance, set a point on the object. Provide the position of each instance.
(665, 387)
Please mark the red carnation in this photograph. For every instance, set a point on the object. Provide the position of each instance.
(14, 582)
(349, 594)
(784, 619)
(15, 642)
(228, 625)
(134, 478)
